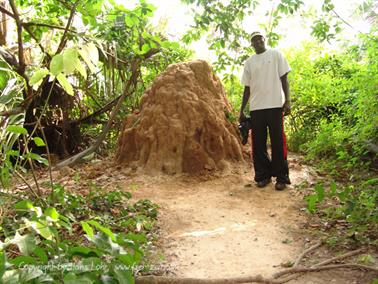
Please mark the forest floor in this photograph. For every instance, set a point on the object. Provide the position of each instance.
(221, 225)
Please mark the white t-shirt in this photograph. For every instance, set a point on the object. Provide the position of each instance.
(262, 74)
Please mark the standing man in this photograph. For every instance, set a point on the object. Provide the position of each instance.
(266, 85)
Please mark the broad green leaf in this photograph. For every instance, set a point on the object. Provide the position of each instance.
(44, 230)
(87, 60)
(171, 44)
(22, 260)
(6, 99)
(87, 229)
(70, 59)
(24, 205)
(122, 275)
(37, 158)
(56, 64)
(52, 214)
(38, 76)
(126, 259)
(89, 53)
(65, 84)
(39, 141)
(26, 243)
(81, 69)
(83, 251)
(16, 129)
(130, 22)
(41, 253)
(103, 229)
(145, 48)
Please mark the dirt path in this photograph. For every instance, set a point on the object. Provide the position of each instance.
(221, 225)
(224, 226)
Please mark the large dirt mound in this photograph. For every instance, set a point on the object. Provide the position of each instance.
(182, 125)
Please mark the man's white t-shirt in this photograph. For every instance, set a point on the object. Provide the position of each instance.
(262, 73)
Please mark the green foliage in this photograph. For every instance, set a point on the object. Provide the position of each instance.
(335, 107)
(224, 25)
(72, 242)
(357, 205)
(234, 90)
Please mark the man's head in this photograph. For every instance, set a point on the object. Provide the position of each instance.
(258, 42)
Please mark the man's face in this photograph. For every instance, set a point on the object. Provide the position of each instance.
(258, 43)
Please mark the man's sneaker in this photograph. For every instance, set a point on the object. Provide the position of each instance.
(280, 186)
(264, 182)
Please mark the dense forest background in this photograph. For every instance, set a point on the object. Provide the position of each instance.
(73, 70)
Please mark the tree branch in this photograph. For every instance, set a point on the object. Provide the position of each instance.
(69, 22)
(21, 59)
(47, 26)
(5, 11)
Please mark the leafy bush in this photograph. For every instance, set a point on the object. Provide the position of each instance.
(70, 240)
(357, 205)
(335, 105)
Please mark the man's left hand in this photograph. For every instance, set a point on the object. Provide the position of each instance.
(287, 108)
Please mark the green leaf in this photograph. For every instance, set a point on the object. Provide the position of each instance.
(91, 263)
(41, 253)
(124, 276)
(39, 142)
(80, 250)
(56, 64)
(70, 59)
(103, 229)
(311, 202)
(129, 21)
(2, 263)
(30, 274)
(87, 229)
(65, 84)
(89, 53)
(72, 278)
(16, 129)
(37, 158)
(320, 192)
(52, 214)
(22, 260)
(145, 48)
(126, 259)
(24, 205)
(43, 229)
(333, 189)
(81, 69)
(14, 153)
(26, 243)
(11, 276)
(38, 76)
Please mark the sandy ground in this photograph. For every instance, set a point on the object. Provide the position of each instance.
(224, 226)
(221, 225)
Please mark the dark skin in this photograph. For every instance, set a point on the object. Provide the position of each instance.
(258, 44)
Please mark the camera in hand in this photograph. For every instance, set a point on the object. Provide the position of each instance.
(244, 127)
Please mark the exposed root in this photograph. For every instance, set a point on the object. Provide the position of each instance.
(278, 278)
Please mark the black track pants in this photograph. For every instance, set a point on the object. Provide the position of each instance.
(276, 165)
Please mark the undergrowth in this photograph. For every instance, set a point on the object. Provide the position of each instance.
(69, 238)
